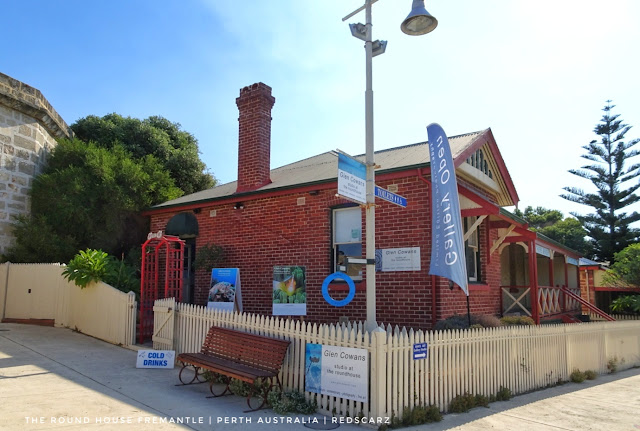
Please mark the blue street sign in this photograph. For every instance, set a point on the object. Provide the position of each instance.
(419, 351)
(391, 197)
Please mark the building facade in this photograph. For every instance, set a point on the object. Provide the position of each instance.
(29, 127)
(291, 216)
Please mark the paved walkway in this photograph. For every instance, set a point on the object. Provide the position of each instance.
(57, 379)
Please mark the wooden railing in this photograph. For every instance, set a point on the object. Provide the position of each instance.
(513, 300)
(549, 300)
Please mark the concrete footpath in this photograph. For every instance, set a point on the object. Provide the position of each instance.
(57, 379)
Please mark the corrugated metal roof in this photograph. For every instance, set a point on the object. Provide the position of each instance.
(588, 262)
(324, 168)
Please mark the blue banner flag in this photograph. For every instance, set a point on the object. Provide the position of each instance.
(447, 244)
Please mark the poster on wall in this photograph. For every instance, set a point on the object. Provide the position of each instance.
(337, 371)
(224, 290)
(398, 259)
(289, 291)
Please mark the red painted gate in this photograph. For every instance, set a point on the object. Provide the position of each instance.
(161, 277)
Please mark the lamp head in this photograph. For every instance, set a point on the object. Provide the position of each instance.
(419, 21)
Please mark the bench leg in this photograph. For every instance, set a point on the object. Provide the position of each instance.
(264, 389)
(197, 375)
(227, 381)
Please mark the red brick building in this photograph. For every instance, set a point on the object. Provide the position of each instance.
(291, 216)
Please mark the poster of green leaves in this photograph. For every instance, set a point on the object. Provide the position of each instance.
(289, 291)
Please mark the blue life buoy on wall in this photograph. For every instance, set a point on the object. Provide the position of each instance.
(325, 289)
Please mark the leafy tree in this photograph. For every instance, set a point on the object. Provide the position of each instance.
(626, 304)
(89, 197)
(608, 226)
(539, 217)
(569, 232)
(174, 148)
(551, 223)
(625, 272)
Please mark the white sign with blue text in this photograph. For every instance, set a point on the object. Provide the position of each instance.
(337, 371)
(156, 359)
(352, 179)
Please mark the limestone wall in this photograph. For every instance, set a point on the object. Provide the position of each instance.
(29, 127)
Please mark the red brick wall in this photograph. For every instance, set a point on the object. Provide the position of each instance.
(587, 277)
(254, 139)
(277, 231)
(484, 296)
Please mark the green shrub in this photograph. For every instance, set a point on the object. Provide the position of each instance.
(290, 402)
(462, 322)
(86, 267)
(517, 321)
(590, 375)
(90, 266)
(481, 401)
(504, 394)
(612, 364)
(462, 403)
(629, 304)
(453, 322)
(577, 376)
(486, 320)
(208, 256)
(417, 416)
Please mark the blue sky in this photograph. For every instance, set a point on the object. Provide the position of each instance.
(538, 73)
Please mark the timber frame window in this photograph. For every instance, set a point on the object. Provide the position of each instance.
(347, 240)
(472, 250)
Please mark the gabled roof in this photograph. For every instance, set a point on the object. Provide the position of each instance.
(323, 168)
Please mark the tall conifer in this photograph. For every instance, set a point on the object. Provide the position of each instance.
(609, 227)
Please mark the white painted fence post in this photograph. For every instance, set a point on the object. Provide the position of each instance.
(378, 377)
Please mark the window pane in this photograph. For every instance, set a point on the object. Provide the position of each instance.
(471, 264)
(343, 251)
(348, 225)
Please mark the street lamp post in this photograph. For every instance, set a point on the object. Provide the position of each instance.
(418, 22)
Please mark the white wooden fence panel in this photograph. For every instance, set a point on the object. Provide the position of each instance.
(477, 361)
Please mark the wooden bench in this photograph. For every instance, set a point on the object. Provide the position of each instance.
(233, 354)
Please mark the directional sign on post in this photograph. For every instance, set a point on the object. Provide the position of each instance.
(352, 180)
(391, 197)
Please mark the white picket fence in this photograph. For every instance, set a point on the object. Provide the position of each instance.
(594, 317)
(477, 361)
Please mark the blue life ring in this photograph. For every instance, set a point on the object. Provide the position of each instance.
(325, 289)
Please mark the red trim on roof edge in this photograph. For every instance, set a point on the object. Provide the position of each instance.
(486, 137)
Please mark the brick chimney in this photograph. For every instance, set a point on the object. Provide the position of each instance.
(254, 142)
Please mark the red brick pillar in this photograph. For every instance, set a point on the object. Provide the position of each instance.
(254, 143)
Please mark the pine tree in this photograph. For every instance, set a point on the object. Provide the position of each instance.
(608, 226)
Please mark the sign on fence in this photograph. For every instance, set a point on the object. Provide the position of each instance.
(337, 371)
(420, 351)
(156, 359)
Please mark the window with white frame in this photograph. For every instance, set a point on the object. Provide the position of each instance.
(347, 240)
(472, 250)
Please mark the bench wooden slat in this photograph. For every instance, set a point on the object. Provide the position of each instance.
(248, 349)
(239, 355)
